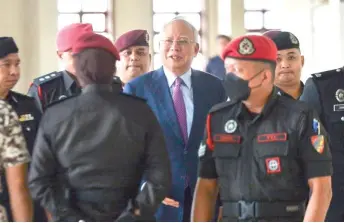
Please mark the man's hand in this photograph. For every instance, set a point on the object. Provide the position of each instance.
(170, 202)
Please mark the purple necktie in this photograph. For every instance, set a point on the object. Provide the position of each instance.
(179, 107)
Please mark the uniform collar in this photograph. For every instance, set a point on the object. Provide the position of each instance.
(241, 109)
(68, 79)
(97, 88)
(11, 98)
(283, 93)
(186, 77)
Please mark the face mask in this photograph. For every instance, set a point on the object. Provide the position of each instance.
(236, 88)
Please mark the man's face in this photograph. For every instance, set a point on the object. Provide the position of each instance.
(221, 44)
(67, 60)
(178, 47)
(9, 71)
(289, 66)
(134, 62)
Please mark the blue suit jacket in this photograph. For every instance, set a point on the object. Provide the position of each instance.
(207, 91)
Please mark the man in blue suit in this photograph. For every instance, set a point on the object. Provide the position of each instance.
(180, 98)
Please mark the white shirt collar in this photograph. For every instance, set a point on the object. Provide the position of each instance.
(186, 77)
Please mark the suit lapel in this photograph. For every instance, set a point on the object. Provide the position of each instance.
(161, 91)
(198, 96)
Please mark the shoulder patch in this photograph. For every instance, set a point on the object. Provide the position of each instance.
(133, 96)
(221, 106)
(327, 74)
(59, 101)
(47, 78)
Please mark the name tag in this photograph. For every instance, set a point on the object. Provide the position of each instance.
(227, 138)
(272, 137)
(26, 117)
(338, 107)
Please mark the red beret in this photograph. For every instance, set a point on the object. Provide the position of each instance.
(94, 40)
(68, 34)
(251, 47)
(136, 37)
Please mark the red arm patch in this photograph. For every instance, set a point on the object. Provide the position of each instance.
(39, 91)
(209, 141)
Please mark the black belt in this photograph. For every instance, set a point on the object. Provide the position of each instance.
(247, 210)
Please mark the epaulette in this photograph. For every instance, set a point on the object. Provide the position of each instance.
(327, 74)
(59, 101)
(133, 96)
(47, 78)
(222, 105)
(117, 80)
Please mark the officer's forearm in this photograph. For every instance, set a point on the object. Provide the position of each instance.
(20, 199)
(204, 200)
(319, 201)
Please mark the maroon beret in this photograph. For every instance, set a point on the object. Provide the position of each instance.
(94, 40)
(137, 37)
(67, 35)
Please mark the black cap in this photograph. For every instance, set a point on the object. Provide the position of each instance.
(283, 40)
(7, 46)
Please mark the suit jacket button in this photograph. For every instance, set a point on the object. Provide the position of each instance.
(28, 129)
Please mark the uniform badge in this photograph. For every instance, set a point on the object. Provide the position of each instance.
(318, 142)
(316, 126)
(26, 117)
(201, 150)
(273, 165)
(246, 47)
(231, 126)
(147, 37)
(62, 97)
(340, 95)
(293, 39)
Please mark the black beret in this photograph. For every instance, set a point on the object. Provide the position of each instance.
(7, 46)
(283, 40)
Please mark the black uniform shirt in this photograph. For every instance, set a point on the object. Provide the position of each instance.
(100, 140)
(28, 114)
(283, 93)
(268, 156)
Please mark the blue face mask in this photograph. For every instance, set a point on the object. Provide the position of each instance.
(236, 88)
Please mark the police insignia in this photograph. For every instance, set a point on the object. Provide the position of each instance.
(231, 126)
(318, 142)
(273, 165)
(293, 39)
(246, 47)
(26, 117)
(340, 95)
(316, 126)
(147, 37)
(201, 150)
(62, 97)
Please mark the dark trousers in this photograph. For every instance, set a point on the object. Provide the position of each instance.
(187, 205)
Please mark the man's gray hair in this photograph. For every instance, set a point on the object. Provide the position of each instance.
(182, 19)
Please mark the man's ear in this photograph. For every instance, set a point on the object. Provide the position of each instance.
(59, 54)
(196, 49)
(302, 60)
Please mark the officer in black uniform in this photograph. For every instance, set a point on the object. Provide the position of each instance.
(58, 85)
(289, 63)
(25, 107)
(93, 149)
(264, 151)
(63, 84)
(325, 92)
